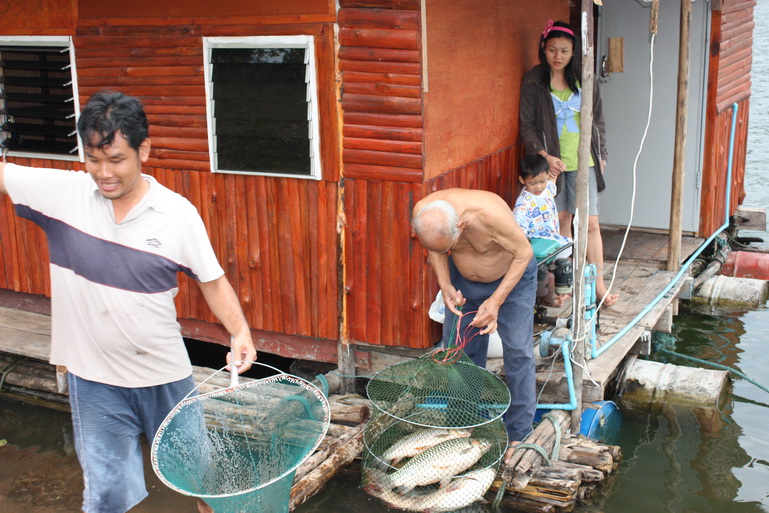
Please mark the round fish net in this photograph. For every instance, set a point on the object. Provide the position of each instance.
(238, 448)
(436, 438)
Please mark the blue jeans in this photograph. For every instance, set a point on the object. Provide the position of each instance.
(515, 325)
(107, 421)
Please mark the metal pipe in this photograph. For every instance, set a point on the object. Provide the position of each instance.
(595, 352)
(572, 404)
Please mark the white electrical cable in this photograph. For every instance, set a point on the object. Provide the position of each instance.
(589, 325)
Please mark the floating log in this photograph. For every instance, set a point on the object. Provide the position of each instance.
(583, 464)
(347, 450)
(523, 462)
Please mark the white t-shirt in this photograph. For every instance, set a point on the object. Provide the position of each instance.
(113, 284)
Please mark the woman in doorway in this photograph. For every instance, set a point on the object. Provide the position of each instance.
(549, 122)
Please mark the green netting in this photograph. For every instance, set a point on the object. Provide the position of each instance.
(436, 438)
(238, 448)
(439, 390)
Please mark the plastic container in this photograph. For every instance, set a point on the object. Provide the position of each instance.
(747, 264)
(601, 421)
(727, 290)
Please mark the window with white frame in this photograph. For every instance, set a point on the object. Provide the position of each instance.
(38, 91)
(262, 105)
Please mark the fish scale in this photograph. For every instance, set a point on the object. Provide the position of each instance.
(439, 463)
(420, 441)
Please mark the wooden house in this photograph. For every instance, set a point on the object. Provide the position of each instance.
(371, 105)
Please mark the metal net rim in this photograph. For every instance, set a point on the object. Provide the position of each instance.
(215, 393)
(407, 420)
(462, 359)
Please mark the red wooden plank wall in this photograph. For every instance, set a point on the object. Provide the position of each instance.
(51, 17)
(715, 166)
(729, 82)
(390, 285)
(275, 237)
(735, 52)
(381, 69)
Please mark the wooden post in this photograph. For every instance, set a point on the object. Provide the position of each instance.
(654, 20)
(583, 176)
(345, 350)
(679, 155)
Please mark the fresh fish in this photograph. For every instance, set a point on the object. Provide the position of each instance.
(378, 485)
(419, 441)
(462, 491)
(439, 463)
(459, 493)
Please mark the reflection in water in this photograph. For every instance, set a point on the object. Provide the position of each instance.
(682, 459)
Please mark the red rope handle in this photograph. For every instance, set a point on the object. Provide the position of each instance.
(457, 346)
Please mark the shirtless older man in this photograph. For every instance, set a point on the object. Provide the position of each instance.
(484, 263)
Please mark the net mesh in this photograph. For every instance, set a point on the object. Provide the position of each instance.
(436, 438)
(238, 448)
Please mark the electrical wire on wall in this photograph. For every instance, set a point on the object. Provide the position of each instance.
(588, 326)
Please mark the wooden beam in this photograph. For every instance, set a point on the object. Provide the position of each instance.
(654, 21)
(583, 178)
(679, 156)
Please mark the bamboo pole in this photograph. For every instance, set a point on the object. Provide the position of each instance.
(679, 155)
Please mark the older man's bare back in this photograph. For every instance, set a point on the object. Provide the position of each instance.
(490, 238)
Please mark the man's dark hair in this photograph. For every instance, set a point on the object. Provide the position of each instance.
(107, 113)
(573, 70)
(533, 165)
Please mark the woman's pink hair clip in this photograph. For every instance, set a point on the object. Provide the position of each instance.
(549, 28)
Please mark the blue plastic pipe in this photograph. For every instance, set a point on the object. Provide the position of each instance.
(595, 352)
(572, 404)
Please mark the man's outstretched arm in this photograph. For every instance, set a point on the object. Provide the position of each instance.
(223, 301)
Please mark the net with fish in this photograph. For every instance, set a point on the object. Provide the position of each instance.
(436, 438)
(238, 448)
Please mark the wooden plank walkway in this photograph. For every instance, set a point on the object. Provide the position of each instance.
(639, 280)
(25, 333)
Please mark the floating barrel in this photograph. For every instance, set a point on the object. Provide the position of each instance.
(727, 290)
(747, 264)
(646, 382)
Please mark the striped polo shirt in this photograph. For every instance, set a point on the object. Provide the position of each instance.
(113, 284)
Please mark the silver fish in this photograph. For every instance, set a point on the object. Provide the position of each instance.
(462, 491)
(459, 493)
(419, 441)
(439, 463)
(378, 485)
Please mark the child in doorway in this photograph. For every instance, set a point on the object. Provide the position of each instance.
(535, 209)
